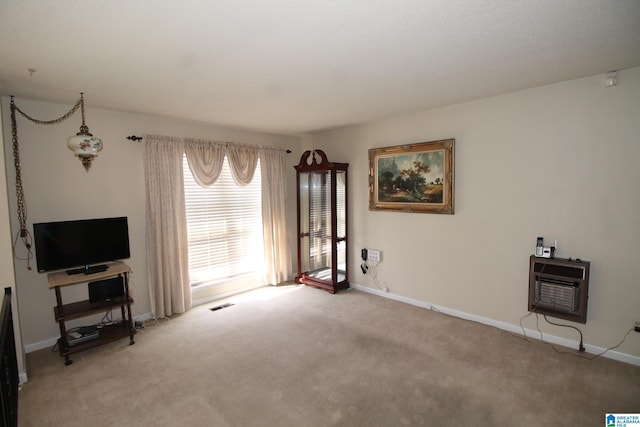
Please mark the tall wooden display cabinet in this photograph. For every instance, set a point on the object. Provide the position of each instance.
(322, 222)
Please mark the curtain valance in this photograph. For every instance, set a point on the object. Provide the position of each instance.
(205, 158)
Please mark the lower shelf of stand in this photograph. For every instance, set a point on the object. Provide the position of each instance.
(330, 286)
(107, 334)
(84, 308)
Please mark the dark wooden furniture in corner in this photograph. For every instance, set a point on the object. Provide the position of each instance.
(559, 287)
(8, 365)
(74, 310)
(322, 222)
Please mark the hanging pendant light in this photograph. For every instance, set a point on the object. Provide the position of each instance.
(83, 144)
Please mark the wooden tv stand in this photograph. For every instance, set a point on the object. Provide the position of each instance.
(75, 310)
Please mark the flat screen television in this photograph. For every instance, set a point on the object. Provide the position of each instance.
(81, 244)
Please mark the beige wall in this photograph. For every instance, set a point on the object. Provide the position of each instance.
(559, 161)
(57, 187)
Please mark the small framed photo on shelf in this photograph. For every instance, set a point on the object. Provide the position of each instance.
(413, 177)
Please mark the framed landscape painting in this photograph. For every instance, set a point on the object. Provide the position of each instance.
(412, 178)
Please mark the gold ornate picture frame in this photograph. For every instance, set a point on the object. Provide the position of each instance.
(413, 177)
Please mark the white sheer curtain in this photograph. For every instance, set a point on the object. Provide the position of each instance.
(166, 220)
(167, 261)
(274, 222)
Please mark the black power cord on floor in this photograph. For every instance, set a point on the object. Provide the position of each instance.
(581, 346)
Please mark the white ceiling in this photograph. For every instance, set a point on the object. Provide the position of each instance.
(295, 67)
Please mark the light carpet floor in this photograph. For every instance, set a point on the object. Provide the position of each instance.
(299, 356)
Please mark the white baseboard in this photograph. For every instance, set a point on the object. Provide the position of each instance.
(49, 342)
(534, 334)
(142, 317)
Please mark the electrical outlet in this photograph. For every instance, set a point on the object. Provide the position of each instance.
(374, 254)
(636, 324)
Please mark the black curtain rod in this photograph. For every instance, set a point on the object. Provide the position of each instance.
(139, 138)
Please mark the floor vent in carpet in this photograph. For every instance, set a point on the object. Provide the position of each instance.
(218, 307)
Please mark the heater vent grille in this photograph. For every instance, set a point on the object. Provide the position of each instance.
(557, 294)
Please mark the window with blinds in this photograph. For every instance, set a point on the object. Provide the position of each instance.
(224, 227)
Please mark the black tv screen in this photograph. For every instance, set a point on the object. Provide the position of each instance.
(81, 243)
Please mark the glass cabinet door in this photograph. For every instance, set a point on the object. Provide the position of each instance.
(318, 213)
(341, 224)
